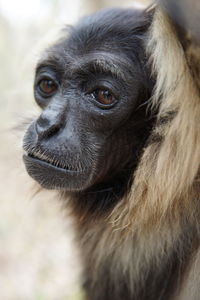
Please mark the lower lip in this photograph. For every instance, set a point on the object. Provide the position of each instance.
(52, 177)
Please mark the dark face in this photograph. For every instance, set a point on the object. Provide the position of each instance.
(93, 122)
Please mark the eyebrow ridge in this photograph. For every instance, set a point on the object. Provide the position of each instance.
(103, 62)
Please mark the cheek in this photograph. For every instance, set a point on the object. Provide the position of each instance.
(118, 155)
(109, 159)
(102, 122)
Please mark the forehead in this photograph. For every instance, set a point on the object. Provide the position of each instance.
(103, 41)
(106, 30)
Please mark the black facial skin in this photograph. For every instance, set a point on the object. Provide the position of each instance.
(93, 87)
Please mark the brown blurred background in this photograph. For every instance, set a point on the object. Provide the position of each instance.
(38, 259)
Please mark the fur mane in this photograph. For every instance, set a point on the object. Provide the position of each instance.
(168, 174)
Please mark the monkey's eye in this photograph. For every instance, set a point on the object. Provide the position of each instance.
(47, 87)
(104, 96)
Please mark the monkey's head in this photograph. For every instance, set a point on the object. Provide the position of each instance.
(92, 87)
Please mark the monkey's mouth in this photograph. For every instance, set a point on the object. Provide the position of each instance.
(52, 174)
(55, 163)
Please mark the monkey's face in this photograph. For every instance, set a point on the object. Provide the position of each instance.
(89, 102)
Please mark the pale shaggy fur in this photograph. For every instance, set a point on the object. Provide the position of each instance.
(144, 227)
(168, 170)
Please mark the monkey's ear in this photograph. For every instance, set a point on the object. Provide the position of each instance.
(186, 15)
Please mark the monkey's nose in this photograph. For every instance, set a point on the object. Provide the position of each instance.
(47, 125)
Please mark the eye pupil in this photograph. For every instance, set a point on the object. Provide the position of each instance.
(47, 86)
(104, 96)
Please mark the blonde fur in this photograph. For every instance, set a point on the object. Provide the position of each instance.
(168, 172)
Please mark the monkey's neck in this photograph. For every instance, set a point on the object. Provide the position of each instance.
(97, 202)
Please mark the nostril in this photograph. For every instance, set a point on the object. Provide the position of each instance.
(42, 124)
(43, 121)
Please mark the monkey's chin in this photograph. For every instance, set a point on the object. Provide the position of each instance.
(52, 177)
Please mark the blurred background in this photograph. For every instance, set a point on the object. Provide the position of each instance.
(38, 257)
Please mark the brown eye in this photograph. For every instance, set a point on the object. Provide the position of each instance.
(47, 87)
(104, 97)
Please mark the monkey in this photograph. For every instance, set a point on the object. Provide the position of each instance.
(118, 136)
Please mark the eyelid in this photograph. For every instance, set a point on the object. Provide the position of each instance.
(44, 73)
(43, 76)
(103, 86)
